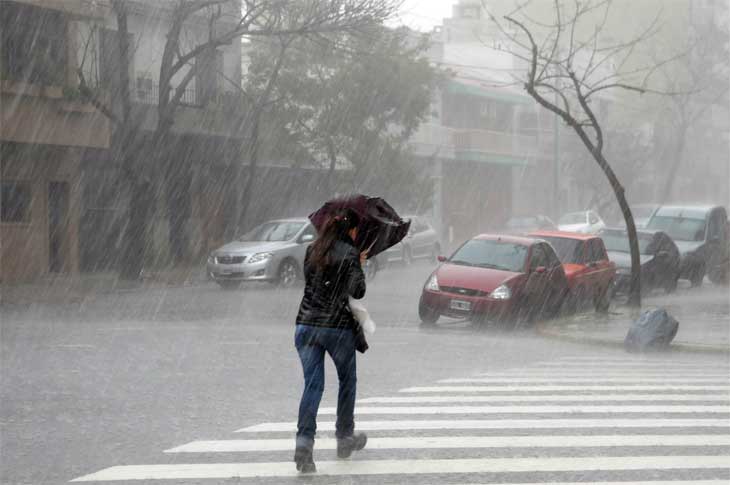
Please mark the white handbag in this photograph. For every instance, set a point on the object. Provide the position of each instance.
(362, 315)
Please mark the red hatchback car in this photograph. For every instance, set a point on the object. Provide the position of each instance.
(590, 273)
(495, 278)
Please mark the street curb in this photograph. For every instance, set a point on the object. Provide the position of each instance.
(603, 342)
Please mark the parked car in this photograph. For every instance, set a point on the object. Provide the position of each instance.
(525, 224)
(495, 278)
(701, 235)
(584, 221)
(658, 254)
(587, 267)
(272, 252)
(422, 242)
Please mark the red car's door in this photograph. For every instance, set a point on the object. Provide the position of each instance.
(602, 271)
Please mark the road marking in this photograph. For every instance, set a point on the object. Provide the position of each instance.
(408, 467)
(434, 442)
(667, 364)
(393, 425)
(530, 409)
(577, 373)
(653, 482)
(587, 379)
(575, 387)
(547, 397)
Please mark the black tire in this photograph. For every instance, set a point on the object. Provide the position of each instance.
(229, 284)
(288, 274)
(602, 300)
(697, 276)
(428, 315)
(670, 286)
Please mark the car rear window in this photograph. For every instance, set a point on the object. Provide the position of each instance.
(485, 253)
(679, 228)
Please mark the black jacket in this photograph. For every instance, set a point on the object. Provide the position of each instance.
(325, 301)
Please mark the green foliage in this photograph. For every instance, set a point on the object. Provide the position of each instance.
(350, 102)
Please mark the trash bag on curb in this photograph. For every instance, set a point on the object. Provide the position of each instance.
(653, 330)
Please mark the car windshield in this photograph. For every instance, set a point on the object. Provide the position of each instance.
(568, 250)
(573, 218)
(679, 228)
(485, 253)
(619, 242)
(273, 231)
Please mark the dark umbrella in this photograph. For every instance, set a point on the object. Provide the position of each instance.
(380, 225)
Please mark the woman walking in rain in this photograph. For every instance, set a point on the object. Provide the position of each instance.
(325, 324)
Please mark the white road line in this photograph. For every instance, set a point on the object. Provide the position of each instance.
(653, 482)
(567, 387)
(629, 364)
(530, 409)
(436, 442)
(626, 359)
(547, 397)
(393, 425)
(578, 373)
(587, 379)
(408, 467)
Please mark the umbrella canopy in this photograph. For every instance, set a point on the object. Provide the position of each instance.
(380, 225)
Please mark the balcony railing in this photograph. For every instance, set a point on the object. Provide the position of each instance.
(151, 95)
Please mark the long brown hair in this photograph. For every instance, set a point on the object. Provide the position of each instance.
(335, 228)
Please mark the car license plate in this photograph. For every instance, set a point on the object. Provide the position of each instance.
(460, 305)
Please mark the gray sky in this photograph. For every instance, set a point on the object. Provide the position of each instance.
(424, 14)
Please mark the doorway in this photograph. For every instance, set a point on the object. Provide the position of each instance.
(58, 201)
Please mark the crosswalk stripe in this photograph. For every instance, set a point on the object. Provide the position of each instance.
(575, 423)
(583, 373)
(587, 379)
(567, 387)
(530, 409)
(408, 467)
(437, 442)
(546, 397)
(628, 358)
(652, 482)
(628, 364)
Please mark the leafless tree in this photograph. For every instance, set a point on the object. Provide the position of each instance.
(146, 161)
(567, 72)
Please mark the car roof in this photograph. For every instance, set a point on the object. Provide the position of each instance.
(520, 240)
(563, 234)
(690, 211)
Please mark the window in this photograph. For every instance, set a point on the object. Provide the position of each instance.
(716, 228)
(33, 44)
(16, 201)
(486, 253)
(538, 257)
(568, 250)
(596, 251)
(273, 231)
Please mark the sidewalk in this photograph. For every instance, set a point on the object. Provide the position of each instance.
(62, 289)
(703, 315)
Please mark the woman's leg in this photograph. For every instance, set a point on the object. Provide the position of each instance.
(343, 355)
(311, 354)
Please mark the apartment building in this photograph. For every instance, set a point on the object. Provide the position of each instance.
(64, 206)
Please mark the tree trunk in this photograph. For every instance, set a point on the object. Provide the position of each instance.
(618, 190)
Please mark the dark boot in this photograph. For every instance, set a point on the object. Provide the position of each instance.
(304, 460)
(345, 446)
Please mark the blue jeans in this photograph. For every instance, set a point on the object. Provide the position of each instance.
(312, 343)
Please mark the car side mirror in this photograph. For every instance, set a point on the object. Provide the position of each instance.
(307, 238)
(441, 259)
(540, 269)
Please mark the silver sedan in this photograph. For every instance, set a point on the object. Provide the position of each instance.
(273, 252)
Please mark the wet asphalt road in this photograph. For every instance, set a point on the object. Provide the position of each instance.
(117, 379)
